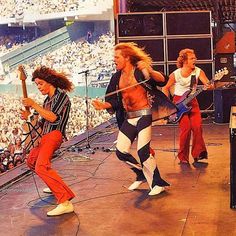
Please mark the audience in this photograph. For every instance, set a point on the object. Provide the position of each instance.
(74, 58)
(19, 8)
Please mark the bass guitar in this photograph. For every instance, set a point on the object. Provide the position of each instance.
(31, 129)
(182, 104)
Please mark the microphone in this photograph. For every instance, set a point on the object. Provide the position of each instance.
(83, 72)
(86, 71)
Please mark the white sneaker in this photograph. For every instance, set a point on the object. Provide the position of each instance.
(135, 185)
(47, 190)
(156, 190)
(65, 207)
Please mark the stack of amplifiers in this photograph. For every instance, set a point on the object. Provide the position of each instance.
(164, 34)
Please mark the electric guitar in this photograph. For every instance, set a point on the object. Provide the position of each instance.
(182, 104)
(31, 129)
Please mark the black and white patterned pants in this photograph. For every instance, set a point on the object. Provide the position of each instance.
(145, 166)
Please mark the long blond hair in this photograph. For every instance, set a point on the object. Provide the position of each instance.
(135, 53)
(183, 56)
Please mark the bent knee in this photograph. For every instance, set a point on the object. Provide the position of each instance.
(40, 169)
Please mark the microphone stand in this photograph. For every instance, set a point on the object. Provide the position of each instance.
(87, 146)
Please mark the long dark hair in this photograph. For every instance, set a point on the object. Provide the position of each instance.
(58, 80)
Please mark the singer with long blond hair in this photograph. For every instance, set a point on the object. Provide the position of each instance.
(135, 82)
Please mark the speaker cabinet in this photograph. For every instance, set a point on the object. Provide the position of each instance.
(188, 23)
(205, 100)
(141, 24)
(222, 101)
(201, 46)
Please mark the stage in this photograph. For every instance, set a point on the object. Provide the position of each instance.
(196, 203)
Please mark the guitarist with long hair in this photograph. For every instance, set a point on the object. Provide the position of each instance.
(54, 114)
(185, 79)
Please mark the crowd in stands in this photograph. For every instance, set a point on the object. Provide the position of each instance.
(8, 9)
(8, 44)
(14, 38)
(12, 152)
(76, 57)
(18, 8)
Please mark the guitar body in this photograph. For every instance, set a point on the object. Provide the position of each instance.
(181, 110)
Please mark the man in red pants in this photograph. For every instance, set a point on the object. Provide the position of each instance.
(184, 79)
(54, 114)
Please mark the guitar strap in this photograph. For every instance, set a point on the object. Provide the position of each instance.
(193, 83)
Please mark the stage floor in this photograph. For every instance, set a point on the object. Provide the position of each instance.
(196, 203)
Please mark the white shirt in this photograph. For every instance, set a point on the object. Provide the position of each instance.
(183, 83)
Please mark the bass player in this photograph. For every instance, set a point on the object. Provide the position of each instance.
(184, 79)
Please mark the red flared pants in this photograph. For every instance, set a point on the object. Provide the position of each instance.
(191, 122)
(39, 159)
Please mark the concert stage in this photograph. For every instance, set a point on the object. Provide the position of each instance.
(196, 203)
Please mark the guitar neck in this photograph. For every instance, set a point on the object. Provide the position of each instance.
(218, 76)
(192, 96)
(24, 90)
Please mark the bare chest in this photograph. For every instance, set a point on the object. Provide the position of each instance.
(126, 81)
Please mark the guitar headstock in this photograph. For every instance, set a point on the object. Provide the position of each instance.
(22, 74)
(219, 74)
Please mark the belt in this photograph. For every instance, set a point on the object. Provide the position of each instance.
(135, 114)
